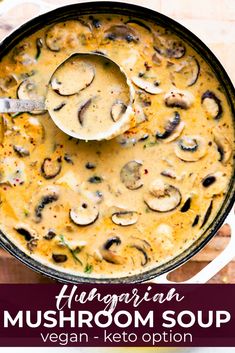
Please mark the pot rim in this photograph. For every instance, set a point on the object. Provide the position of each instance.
(102, 7)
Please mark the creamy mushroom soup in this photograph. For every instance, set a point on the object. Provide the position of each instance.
(117, 207)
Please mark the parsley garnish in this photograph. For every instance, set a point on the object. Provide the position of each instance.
(73, 252)
(88, 268)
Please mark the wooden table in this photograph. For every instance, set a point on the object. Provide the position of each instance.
(214, 22)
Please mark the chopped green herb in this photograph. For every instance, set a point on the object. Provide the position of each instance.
(88, 268)
(73, 252)
(26, 212)
(15, 115)
(95, 179)
(150, 144)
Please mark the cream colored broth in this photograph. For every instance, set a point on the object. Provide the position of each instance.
(71, 196)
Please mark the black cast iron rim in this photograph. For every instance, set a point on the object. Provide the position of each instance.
(102, 7)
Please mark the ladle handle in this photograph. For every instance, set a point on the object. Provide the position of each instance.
(8, 105)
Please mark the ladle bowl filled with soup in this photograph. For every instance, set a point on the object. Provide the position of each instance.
(139, 204)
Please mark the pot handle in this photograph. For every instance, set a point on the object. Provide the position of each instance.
(215, 265)
(8, 5)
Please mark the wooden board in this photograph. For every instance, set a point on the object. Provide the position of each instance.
(213, 21)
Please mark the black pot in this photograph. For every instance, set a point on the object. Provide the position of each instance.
(72, 12)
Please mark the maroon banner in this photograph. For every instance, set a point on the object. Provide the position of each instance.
(117, 315)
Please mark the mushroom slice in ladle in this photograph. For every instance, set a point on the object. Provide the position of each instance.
(85, 213)
(130, 175)
(81, 72)
(147, 86)
(125, 218)
(162, 197)
(118, 108)
(212, 105)
(179, 98)
(82, 110)
(190, 148)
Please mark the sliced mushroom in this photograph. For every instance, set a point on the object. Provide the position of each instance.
(208, 180)
(50, 234)
(122, 32)
(39, 46)
(59, 107)
(162, 197)
(51, 168)
(191, 148)
(95, 179)
(214, 184)
(130, 175)
(223, 144)
(67, 35)
(188, 70)
(139, 23)
(143, 252)
(28, 89)
(179, 98)
(170, 127)
(146, 85)
(25, 230)
(85, 213)
(75, 66)
(176, 133)
(207, 214)
(117, 110)
(21, 56)
(186, 206)
(196, 220)
(51, 196)
(3, 128)
(32, 244)
(157, 58)
(59, 258)
(110, 255)
(68, 158)
(7, 83)
(169, 173)
(169, 47)
(90, 165)
(82, 109)
(125, 218)
(212, 105)
(21, 151)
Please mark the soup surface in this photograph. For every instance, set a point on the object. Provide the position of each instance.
(117, 207)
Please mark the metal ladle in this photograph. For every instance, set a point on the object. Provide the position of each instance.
(9, 105)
